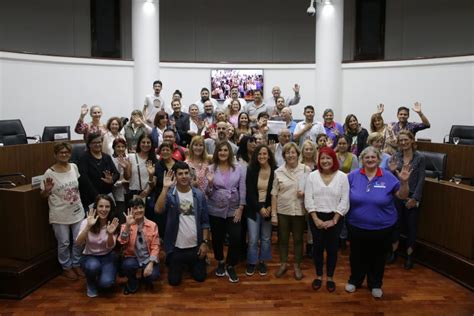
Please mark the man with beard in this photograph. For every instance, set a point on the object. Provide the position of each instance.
(208, 115)
(275, 112)
(221, 128)
(257, 106)
(234, 95)
(204, 98)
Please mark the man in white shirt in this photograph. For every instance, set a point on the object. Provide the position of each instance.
(234, 95)
(204, 98)
(154, 103)
(276, 93)
(187, 227)
(308, 129)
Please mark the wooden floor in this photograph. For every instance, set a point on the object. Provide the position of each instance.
(416, 292)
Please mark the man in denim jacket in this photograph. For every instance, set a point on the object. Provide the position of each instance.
(187, 227)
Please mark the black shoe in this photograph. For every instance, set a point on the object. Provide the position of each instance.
(391, 258)
(220, 271)
(262, 268)
(330, 286)
(408, 263)
(250, 269)
(309, 251)
(317, 284)
(230, 272)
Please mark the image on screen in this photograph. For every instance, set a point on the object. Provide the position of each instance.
(246, 80)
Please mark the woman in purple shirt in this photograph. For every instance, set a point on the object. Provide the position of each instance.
(226, 201)
(371, 219)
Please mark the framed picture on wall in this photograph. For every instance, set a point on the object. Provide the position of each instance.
(246, 80)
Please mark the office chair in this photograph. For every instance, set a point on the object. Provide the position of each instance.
(53, 133)
(13, 133)
(435, 164)
(464, 132)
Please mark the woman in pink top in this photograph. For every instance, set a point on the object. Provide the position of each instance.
(198, 160)
(99, 233)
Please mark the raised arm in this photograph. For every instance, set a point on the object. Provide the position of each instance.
(424, 119)
(168, 181)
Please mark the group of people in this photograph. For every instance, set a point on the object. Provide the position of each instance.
(186, 183)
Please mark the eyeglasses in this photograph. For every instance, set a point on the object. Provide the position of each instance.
(140, 238)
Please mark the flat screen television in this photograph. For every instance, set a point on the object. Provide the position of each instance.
(247, 80)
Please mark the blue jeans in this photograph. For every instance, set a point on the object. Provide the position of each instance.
(67, 257)
(130, 267)
(259, 230)
(100, 271)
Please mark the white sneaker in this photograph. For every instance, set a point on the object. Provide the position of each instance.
(377, 293)
(350, 288)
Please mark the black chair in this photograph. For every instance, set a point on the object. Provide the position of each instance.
(464, 132)
(77, 151)
(52, 133)
(13, 133)
(435, 164)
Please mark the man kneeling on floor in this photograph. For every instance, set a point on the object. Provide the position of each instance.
(187, 226)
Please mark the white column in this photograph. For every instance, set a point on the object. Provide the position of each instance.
(329, 31)
(145, 48)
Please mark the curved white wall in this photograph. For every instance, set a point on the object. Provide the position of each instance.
(45, 90)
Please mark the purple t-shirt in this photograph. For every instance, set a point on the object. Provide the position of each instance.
(372, 202)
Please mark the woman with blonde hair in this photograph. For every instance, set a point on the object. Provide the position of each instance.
(377, 124)
(233, 112)
(309, 154)
(95, 126)
(198, 161)
(376, 140)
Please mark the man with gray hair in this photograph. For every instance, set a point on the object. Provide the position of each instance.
(287, 116)
(284, 137)
(276, 93)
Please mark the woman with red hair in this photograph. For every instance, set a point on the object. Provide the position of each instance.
(326, 199)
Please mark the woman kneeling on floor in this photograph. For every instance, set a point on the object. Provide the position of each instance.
(139, 236)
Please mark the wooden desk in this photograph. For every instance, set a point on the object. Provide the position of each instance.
(28, 253)
(25, 225)
(460, 157)
(445, 240)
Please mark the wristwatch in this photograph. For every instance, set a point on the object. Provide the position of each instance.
(205, 241)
